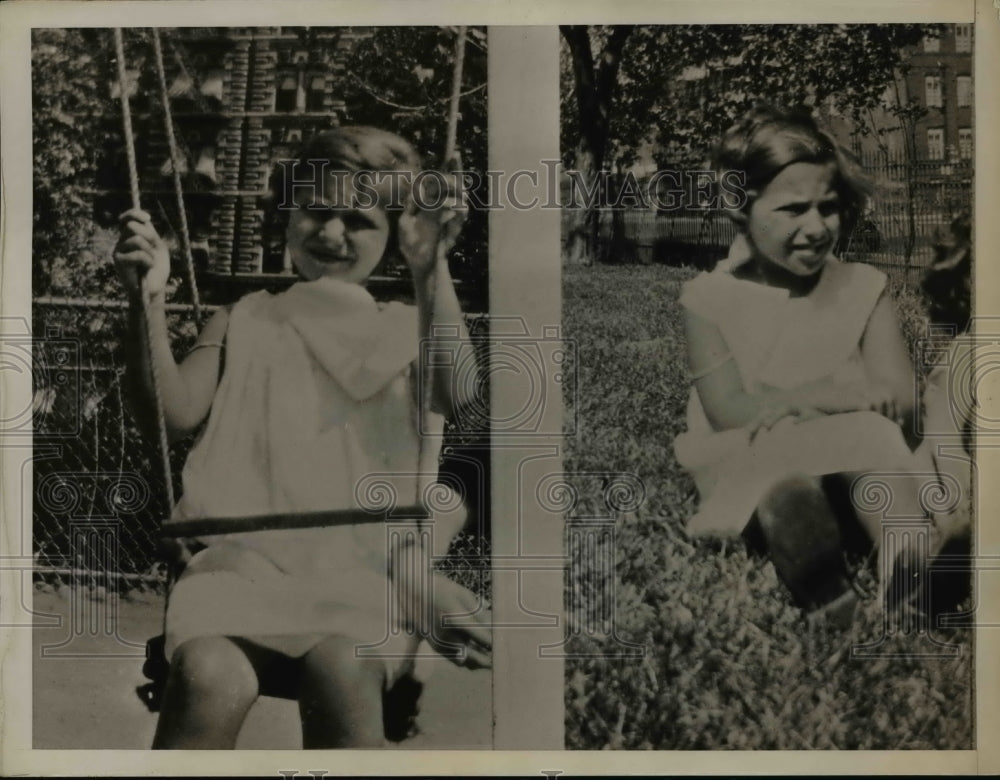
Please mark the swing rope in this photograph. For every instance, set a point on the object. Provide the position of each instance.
(425, 476)
(175, 166)
(456, 93)
(133, 178)
(427, 375)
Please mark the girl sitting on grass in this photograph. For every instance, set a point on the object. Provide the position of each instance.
(802, 381)
(317, 392)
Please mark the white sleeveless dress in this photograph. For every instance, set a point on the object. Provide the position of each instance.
(315, 409)
(784, 342)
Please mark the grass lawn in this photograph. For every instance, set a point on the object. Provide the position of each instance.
(728, 661)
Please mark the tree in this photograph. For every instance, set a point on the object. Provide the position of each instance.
(70, 101)
(401, 78)
(595, 86)
(680, 86)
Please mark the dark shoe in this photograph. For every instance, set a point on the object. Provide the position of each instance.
(949, 580)
(400, 707)
(156, 668)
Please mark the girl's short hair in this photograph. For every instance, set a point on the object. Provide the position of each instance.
(390, 159)
(770, 138)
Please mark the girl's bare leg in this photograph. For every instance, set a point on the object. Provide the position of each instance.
(905, 500)
(210, 689)
(803, 540)
(340, 698)
(902, 555)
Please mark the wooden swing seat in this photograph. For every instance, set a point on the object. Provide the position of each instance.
(399, 703)
(209, 526)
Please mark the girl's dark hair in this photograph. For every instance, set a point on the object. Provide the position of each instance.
(390, 159)
(770, 138)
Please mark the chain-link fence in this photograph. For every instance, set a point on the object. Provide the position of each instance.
(99, 494)
(913, 202)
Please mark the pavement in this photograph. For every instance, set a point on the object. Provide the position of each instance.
(87, 663)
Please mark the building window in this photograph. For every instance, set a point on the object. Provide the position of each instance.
(932, 91)
(965, 143)
(284, 97)
(935, 143)
(181, 85)
(316, 93)
(964, 90)
(932, 43)
(214, 84)
(963, 37)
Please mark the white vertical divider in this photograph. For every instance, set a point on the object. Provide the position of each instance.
(986, 64)
(525, 282)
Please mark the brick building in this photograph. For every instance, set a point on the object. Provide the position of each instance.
(937, 76)
(241, 98)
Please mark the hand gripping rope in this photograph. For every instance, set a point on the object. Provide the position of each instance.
(133, 179)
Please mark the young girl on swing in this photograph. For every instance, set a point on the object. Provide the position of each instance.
(307, 394)
(802, 381)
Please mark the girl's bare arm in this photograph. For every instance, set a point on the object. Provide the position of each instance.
(887, 364)
(451, 391)
(729, 404)
(186, 390)
(725, 399)
(426, 237)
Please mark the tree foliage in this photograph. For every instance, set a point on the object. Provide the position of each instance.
(70, 101)
(396, 78)
(678, 87)
(401, 79)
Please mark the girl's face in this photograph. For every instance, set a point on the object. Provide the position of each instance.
(330, 236)
(795, 220)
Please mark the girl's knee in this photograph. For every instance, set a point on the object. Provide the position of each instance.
(336, 658)
(341, 699)
(792, 483)
(783, 502)
(875, 496)
(214, 667)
